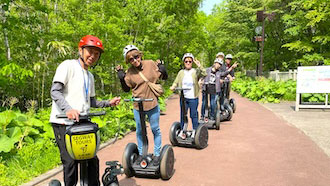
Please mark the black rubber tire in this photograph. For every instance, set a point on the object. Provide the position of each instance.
(173, 133)
(167, 162)
(232, 103)
(217, 119)
(54, 183)
(130, 154)
(201, 137)
(229, 111)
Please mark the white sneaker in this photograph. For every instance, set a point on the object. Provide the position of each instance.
(182, 135)
(193, 133)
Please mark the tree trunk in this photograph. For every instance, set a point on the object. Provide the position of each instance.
(55, 10)
(5, 32)
(43, 87)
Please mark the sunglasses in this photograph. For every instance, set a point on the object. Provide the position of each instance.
(135, 57)
(188, 62)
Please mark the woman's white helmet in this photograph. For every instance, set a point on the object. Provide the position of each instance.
(128, 48)
(217, 60)
(229, 56)
(188, 55)
(220, 54)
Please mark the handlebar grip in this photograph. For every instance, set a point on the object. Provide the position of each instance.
(83, 114)
(139, 99)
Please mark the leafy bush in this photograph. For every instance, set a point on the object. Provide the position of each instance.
(265, 90)
(30, 161)
(315, 98)
(18, 128)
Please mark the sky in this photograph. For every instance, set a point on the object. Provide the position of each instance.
(207, 5)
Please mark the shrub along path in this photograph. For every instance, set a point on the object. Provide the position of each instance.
(255, 148)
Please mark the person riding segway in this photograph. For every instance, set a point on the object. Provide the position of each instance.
(225, 107)
(211, 88)
(232, 102)
(73, 92)
(187, 81)
(140, 77)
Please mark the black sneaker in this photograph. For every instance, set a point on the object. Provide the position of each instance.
(138, 160)
(156, 160)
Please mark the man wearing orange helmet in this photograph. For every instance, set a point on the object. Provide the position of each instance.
(73, 92)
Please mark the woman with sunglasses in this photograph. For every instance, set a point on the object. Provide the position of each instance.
(188, 78)
(132, 80)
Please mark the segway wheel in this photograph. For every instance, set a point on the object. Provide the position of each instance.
(201, 137)
(108, 179)
(166, 162)
(218, 119)
(232, 103)
(229, 112)
(54, 183)
(130, 155)
(173, 133)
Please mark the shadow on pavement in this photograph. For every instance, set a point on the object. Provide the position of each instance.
(128, 182)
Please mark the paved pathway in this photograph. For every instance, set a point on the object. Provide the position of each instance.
(315, 123)
(255, 148)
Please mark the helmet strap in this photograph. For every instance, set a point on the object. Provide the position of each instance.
(81, 56)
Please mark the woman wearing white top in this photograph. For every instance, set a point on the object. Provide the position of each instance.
(188, 78)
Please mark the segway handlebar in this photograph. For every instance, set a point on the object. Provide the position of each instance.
(89, 114)
(182, 89)
(139, 99)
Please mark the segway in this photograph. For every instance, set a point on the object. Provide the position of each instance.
(201, 137)
(225, 109)
(232, 101)
(82, 142)
(109, 177)
(208, 122)
(146, 168)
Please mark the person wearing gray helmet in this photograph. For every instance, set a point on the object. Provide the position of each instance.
(228, 60)
(152, 70)
(188, 78)
(212, 86)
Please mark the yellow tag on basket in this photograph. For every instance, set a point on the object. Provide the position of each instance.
(83, 146)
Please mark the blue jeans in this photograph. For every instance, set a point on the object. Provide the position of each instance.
(192, 104)
(218, 100)
(212, 105)
(153, 116)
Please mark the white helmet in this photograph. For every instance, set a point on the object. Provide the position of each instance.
(129, 48)
(217, 60)
(229, 56)
(188, 55)
(220, 54)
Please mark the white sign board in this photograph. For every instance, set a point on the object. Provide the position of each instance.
(313, 79)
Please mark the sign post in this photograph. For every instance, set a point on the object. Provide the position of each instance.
(312, 79)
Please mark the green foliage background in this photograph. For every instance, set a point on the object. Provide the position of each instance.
(37, 35)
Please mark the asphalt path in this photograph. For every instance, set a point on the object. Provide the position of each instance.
(255, 148)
